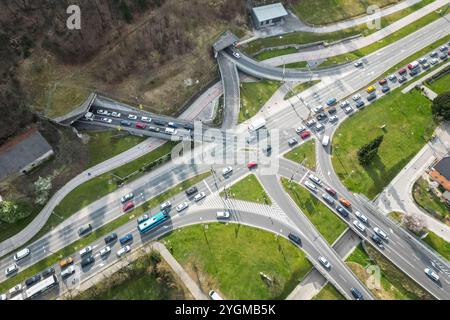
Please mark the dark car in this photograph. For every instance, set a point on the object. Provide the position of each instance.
(30, 281)
(360, 104)
(413, 72)
(188, 126)
(267, 149)
(48, 272)
(330, 191)
(321, 116)
(402, 71)
(125, 123)
(110, 238)
(87, 261)
(332, 110)
(295, 238)
(382, 82)
(160, 122)
(124, 240)
(371, 96)
(342, 211)
(401, 79)
(385, 89)
(358, 295)
(443, 56)
(191, 191)
(84, 230)
(377, 240)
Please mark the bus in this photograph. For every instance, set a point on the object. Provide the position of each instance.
(154, 221)
(41, 286)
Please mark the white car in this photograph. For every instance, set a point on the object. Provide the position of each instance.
(146, 119)
(380, 233)
(392, 77)
(165, 205)
(123, 250)
(361, 217)
(11, 269)
(300, 129)
(443, 48)
(236, 54)
(104, 112)
(311, 122)
(324, 262)
(107, 120)
(310, 186)
(116, 114)
(356, 97)
(227, 170)
(359, 225)
(319, 127)
(434, 61)
(433, 275)
(223, 215)
(182, 206)
(106, 250)
(422, 60)
(344, 104)
(333, 119)
(358, 64)
(68, 271)
(318, 109)
(433, 54)
(199, 196)
(127, 197)
(315, 179)
(348, 110)
(15, 289)
(85, 251)
(132, 117)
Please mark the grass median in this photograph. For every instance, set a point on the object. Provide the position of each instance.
(100, 232)
(304, 154)
(229, 258)
(406, 122)
(326, 222)
(248, 189)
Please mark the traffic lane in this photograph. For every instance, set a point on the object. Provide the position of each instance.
(319, 247)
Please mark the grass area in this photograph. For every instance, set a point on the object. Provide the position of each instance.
(149, 277)
(440, 85)
(229, 258)
(297, 65)
(403, 32)
(329, 292)
(328, 11)
(274, 53)
(310, 37)
(438, 244)
(8, 230)
(396, 216)
(394, 284)
(300, 87)
(107, 144)
(326, 222)
(409, 124)
(304, 154)
(100, 232)
(83, 195)
(254, 95)
(248, 189)
(430, 202)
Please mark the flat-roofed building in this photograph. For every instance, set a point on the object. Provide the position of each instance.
(268, 15)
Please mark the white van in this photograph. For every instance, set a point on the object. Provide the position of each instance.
(21, 254)
(214, 295)
(325, 140)
(170, 131)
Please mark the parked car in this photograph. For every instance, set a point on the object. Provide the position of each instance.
(317, 109)
(370, 89)
(319, 127)
(401, 79)
(371, 96)
(402, 71)
(15, 289)
(385, 89)
(332, 110)
(392, 77)
(434, 60)
(356, 97)
(311, 122)
(333, 119)
(305, 134)
(348, 110)
(331, 101)
(344, 104)
(382, 82)
(359, 104)
(292, 142)
(433, 54)
(321, 116)
(300, 129)
(153, 129)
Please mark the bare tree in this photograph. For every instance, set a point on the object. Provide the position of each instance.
(414, 223)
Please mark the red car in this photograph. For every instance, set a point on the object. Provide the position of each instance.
(330, 191)
(402, 71)
(382, 82)
(140, 125)
(305, 134)
(128, 206)
(251, 165)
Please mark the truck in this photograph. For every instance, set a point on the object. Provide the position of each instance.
(413, 65)
(256, 124)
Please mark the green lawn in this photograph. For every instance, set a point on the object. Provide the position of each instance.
(438, 244)
(248, 189)
(297, 65)
(300, 87)
(254, 95)
(326, 222)
(147, 278)
(229, 258)
(106, 144)
(440, 85)
(83, 195)
(396, 216)
(274, 53)
(394, 284)
(409, 124)
(328, 11)
(100, 232)
(8, 230)
(429, 201)
(329, 292)
(403, 32)
(304, 154)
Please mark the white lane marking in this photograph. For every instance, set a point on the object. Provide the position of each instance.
(207, 186)
(342, 277)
